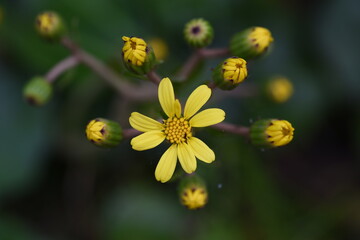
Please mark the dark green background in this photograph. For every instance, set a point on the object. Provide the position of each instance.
(56, 185)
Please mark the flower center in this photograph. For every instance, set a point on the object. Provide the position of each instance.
(177, 130)
(195, 30)
(286, 131)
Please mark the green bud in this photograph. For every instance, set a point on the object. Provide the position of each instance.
(251, 43)
(271, 133)
(50, 25)
(37, 91)
(138, 56)
(198, 33)
(104, 133)
(230, 73)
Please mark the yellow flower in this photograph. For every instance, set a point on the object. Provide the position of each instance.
(160, 48)
(50, 25)
(194, 198)
(279, 89)
(260, 38)
(234, 70)
(134, 50)
(279, 132)
(177, 129)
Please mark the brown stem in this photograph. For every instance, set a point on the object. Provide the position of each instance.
(61, 67)
(232, 128)
(111, 77)
(130, 133)
(189, 66)
(154, 77)
(196, 57)
(214, 53)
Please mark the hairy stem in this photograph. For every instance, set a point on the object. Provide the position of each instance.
(61, 67)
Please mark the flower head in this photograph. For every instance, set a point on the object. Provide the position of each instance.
(251, 42)
(192, 192)
(134, 50)
(160, 48)
(279, 89)
(260, 38)
(198, 33)
(177, 130)
(230, 73)
(234, 70)
(194, 198)
(138, 56)
(103, 132)
(271, 132)
(50, 25)
(280, 132)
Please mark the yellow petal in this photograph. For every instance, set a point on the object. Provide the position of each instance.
(124, 38)
(201, 150)
(143, 123)
(196, 100)
(147, 140)
(208, 117)
(166, 166)
(167, 97)
(186, 157)
(177, 108)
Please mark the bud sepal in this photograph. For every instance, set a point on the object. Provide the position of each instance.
(37, 91)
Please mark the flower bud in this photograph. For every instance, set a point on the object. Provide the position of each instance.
(50, 25)
(160, 48)
(198, 33)
(138, 56)
(271, 133)
(37, 91)
(279, 89)
(230, 73)
(104, 133)
(251, 43)
(192, 192)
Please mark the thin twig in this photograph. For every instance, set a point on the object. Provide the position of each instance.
(232, 128)
(130, 133)
(196, 57)
(61, 67)
(111, 77)
(189, 66)
(214, 53)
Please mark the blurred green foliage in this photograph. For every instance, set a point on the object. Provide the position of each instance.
(55, 185)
